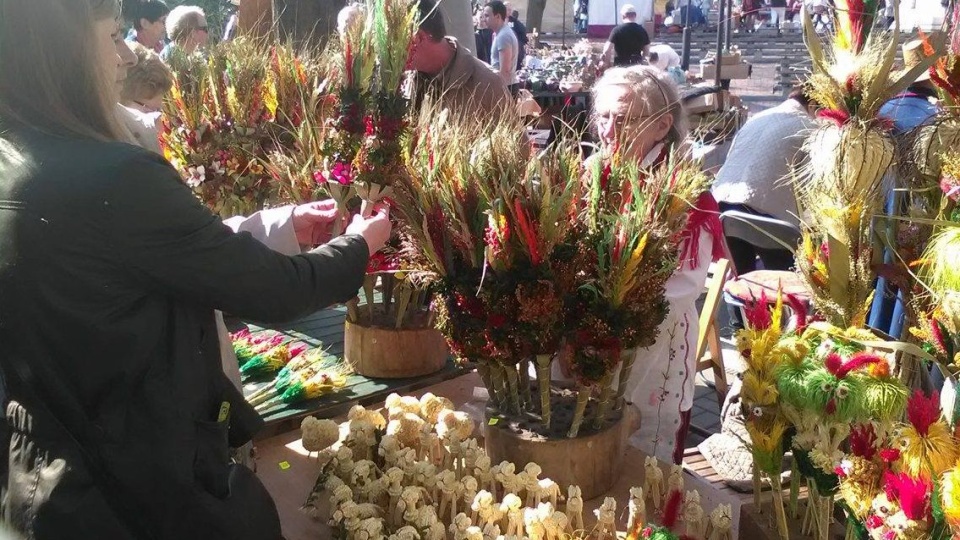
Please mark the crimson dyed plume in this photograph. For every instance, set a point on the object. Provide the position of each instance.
(922, 411)
(671, 512)
(758, 313)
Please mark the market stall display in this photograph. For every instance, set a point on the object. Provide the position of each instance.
(415, 471)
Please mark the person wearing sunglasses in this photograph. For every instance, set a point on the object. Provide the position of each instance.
(187, 29)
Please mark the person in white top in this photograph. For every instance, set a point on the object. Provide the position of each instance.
(756, 176)
(641, 105)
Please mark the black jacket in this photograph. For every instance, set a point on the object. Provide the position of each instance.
(110, 271)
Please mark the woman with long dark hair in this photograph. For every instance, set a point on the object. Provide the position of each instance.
(110, 272)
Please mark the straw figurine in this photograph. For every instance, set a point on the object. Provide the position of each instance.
(637, 509)
(344, 462)
(482, 499)
(574, 509)
(721, 522)
(469, 489)
(653, 481)
(370, 529)
(533, 523)
(692, 514)
(674, 481)
(547, 489)
(606, 518)
(459, 526)
(531, 482)
(447, 484)
(512, 507)
(483, 473)
(407, 532)
(557, 524)
(389, 448)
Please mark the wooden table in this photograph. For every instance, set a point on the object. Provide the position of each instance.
(289, 473)
(325, 329)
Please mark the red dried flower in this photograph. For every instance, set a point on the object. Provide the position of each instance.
(758, 313)
(912, 494)
(863, 440)
(671, 512)
(922, 411)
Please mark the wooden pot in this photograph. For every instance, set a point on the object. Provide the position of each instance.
(387, 353)
(591, 461)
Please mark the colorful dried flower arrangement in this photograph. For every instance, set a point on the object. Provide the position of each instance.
(222, 118)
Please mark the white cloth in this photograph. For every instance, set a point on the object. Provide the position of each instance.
(661, 384)
(667, 56)
(142, 126)
(757, 170)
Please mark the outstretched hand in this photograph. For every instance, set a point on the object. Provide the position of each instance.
(374, 229)
(313, 222)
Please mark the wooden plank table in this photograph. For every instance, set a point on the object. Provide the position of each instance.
(325, 329)
(289, 473)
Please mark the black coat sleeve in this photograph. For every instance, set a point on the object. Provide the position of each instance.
(167, 238)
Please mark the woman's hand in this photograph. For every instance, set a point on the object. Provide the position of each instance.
(374, 229)
(313, 222)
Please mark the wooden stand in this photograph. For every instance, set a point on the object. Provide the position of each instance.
(592, 460)
(388, 353)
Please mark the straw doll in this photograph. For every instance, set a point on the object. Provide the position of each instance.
(653, 481)
(637, 508)
(606, 518)
(574, 509)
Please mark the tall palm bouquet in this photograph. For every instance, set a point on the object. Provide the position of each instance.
(840, 189)
(391, 24)
(533, 200)
(632, 219)
(935, 152)
(443, 216)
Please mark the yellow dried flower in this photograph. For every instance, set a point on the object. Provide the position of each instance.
(930, 455)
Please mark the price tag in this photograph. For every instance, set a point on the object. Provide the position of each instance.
(284, 465)
(493, 422)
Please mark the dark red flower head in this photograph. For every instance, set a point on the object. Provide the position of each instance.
(922, 411)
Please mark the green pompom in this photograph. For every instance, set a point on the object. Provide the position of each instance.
(884, 399)
(792, 384)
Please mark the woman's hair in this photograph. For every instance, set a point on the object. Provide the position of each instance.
(653, 93)
(151, 10)
(182, 20)
(148, 79)
(53, 79)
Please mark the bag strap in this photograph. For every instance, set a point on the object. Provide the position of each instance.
(52, 390)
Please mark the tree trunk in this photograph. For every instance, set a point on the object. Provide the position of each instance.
(256, 17)
(535, 10)
(306, 20)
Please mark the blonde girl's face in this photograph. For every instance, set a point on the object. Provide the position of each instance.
(623, 121)
(114, 53)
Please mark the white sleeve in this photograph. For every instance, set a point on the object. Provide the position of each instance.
(272, 227)
(686, 284)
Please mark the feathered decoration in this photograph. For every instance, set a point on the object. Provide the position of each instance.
(854, 19)
(950, 496)
(927, 446)
(911, 493)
